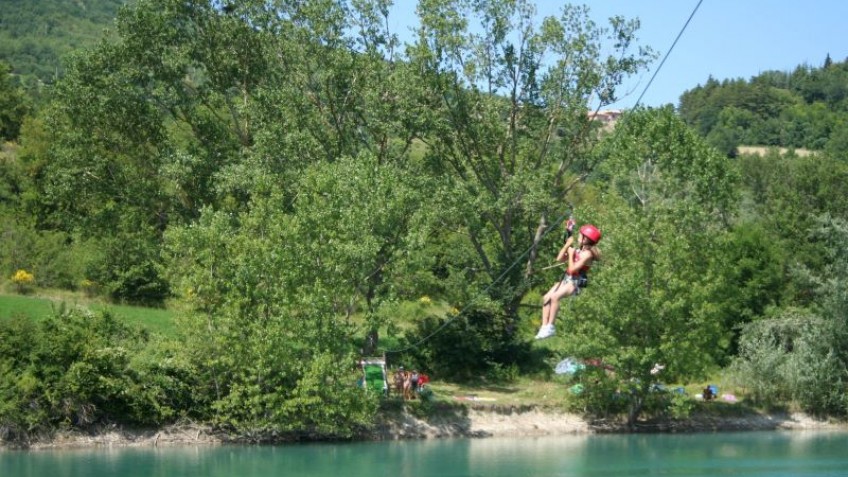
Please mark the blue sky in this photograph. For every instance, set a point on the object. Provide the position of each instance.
(727, 39)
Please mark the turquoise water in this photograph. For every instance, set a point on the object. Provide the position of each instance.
(773, 454)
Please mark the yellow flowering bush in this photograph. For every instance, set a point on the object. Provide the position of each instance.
(425, 300)
(23, 281)
(89, 287)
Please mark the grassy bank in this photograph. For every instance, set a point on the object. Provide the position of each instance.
(41, 305)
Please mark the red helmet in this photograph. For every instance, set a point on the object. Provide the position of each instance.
(591, 232)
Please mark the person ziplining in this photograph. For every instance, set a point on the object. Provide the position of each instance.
(577, 261)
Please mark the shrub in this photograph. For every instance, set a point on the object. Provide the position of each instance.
(681, 406)
(60, 261)
(793, 357)
(54, 257)
(89, 287)
(76, 369)
(128, 270)
(477, 344)
(23, 281)
(598, 394)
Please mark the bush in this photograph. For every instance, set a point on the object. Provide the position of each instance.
(75, 369)
(477, 344)
(23, 281)
(793, 358)
(681, 406)
(60, 261)
(54, 257)
(598, 394)
(128, 270)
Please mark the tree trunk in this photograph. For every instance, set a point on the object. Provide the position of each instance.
(534, 250)
(372, 339)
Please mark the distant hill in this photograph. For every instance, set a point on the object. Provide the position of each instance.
(36, 34)
(806, 108)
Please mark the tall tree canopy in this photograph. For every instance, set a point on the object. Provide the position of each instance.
(508, 131)
(670, 195)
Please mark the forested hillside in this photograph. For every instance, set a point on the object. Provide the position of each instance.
(303, 190)
(36, 35)
(806, 108)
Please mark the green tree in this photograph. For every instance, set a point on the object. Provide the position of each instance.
(296, 262)
(507, 127)
(270, 329)
(753, 283)
(670, 196)
(140, 127)
(697, 108)
(837, 144)
(807, 126)
(732, 130)
(13, 105)
(800, 354)
(340, 100)
(787, 194)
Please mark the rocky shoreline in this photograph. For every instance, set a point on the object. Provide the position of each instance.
(471, 421)
(487, 421)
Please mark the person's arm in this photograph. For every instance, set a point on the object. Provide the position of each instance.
(562, 256)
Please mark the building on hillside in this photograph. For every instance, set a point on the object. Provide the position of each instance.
(607, 117)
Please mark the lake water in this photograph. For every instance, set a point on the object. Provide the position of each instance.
(773, 454)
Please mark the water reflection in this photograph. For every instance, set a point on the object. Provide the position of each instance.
(796, 453)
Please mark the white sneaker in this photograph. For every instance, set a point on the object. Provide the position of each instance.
(546, 332)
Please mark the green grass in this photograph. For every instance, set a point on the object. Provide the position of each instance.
(22, 306)
(156, 320)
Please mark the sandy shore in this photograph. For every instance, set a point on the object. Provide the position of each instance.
(471, 421)
(489, 422)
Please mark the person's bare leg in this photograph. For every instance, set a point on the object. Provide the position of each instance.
(554, 297)
(552, 311)
(546, 309)
(548, 302)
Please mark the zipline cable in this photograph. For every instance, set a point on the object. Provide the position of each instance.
(554, 223)
(499, 278)
(668, 52)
